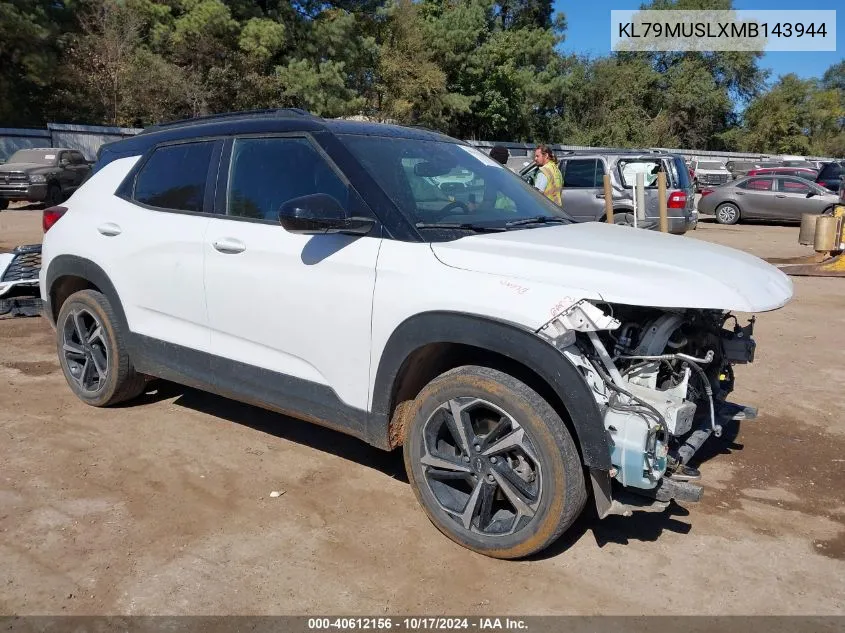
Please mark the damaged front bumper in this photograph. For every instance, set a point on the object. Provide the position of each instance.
(660, 378)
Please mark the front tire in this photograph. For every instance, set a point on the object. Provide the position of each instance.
(492, 463)
(4, 204)
(727, 213)
(92, 351)
(54, 195)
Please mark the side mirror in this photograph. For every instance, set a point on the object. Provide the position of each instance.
(320, 213)
(811, 193)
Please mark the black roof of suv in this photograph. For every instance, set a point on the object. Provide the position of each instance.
(255, 122)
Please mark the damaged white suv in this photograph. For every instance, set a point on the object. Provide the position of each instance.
(337, 272)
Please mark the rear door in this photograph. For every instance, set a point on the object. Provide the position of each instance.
(151, 233)
(583, 195)
(756, 197)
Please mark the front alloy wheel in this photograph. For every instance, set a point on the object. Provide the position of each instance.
(492, 463)
(481, 467)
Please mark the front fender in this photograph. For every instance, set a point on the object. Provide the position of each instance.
(509, 340)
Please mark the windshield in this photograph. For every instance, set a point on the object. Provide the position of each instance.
(443, 183)
(711, 165)
(38, 156)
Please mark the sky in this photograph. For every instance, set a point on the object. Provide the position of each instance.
(588, 32)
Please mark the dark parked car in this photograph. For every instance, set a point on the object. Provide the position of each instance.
(783, 198)
(47, 174)
(830, 175)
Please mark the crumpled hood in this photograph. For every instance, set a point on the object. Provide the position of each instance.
(625, 265)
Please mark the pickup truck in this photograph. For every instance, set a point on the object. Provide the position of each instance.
(46, 175)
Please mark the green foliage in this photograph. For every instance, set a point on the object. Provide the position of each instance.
(490, 69)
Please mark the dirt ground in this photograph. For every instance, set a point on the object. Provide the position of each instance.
(164, 507)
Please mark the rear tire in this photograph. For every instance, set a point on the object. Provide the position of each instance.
(4, 204)
(92, 351)
(508, 481)
(727, 213)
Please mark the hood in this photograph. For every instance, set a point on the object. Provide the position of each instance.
(625, 265)
(701, 170)
(24, 167)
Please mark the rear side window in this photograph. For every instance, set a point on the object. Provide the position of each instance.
(175, 177)
(582, 173)
(758, 184)
(267, 172)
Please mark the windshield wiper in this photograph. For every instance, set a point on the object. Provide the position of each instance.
(465, 226)
(539, 219)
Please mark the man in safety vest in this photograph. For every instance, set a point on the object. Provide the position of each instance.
(549, 179)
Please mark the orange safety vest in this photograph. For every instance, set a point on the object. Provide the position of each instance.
(554, 182)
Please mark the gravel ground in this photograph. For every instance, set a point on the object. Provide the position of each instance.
(163, 506)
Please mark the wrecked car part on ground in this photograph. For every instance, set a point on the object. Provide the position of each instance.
(19, 292)
(661, 378)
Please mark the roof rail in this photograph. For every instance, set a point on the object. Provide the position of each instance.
(229, 115)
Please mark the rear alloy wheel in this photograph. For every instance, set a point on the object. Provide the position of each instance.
(727, 213)
(92, 353)
(492, 464)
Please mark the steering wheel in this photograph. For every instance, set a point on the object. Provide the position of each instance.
(457, 204)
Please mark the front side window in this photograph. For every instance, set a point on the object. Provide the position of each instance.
(267, 172)
(175, 177)
(439, 182)
(789, 185)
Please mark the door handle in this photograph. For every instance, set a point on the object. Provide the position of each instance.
(779, 195)
(740, 193)
(229, 245)
(109, 229)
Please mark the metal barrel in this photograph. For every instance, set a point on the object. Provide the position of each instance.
(825, 238)
(807, 234)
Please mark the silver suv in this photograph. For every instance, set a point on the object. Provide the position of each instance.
(583, 187)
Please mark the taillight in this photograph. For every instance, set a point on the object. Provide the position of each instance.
(706, 192)
(50, 216)
(677, 200)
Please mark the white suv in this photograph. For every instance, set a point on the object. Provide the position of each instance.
(321, 268)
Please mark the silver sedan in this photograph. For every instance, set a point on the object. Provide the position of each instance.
(782, 198)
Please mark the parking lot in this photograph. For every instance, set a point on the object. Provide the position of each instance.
(164, 506)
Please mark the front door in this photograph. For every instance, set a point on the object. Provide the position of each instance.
(293, 311)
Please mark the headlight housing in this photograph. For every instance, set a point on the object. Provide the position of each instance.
(37, 178)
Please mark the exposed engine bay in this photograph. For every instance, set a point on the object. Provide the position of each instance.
(660, 376)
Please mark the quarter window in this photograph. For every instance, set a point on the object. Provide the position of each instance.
(267, 172)
(175, 177)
